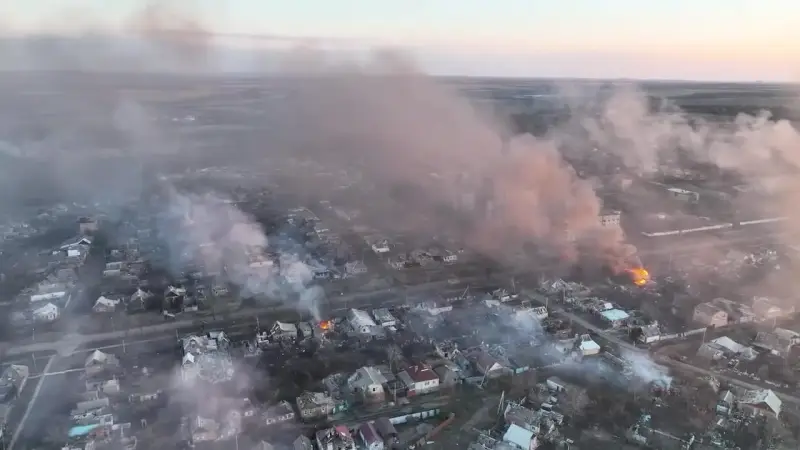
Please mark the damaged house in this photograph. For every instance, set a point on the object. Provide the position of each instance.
(207, 358)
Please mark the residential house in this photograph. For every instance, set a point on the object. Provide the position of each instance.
(615, 317)
(519, 438)
(761, 402)
(315, 405)
(710, 315)
(105, 304)
(380, 246)
(99, 362)
(138, 300)
(419, 379)
(587, 346)
(556, 384)
(385, 429)
(779, 341)
(734, 349)
(360, 321)
(445, 349)
(336, 438)
(538, 312)
(449, 257)
(46, 313)
(609, 218)
(207, 357)
(449, 375)
(487, 365)
(433, 308)
(650, 333)
(277, 414)
(12, 382)
(768, 308)
(354, 268)
(368, 382)
(711, 351)
(384, 318)
(370, 437)
(283, 331)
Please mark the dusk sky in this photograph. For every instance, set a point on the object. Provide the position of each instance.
(676, 39)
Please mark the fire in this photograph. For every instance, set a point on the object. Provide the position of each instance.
(325, 325)
(640, 276)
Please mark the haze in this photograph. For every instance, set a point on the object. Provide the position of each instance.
(700, 40)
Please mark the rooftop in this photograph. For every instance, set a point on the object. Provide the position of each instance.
(615, 315)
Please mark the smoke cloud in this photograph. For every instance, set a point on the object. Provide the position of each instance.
(209, 233)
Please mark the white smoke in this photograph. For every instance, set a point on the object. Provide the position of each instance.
(212, 234)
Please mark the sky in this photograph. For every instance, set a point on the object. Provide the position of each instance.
(675, 39)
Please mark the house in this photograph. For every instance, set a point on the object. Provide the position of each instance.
(354, 268)
(650, 333)
(445, 349)
(683, 195)
(381, 246)
(449, 257)
(761, 402)
(384, 318)
(419, 380)
(768, 309)
(368, 382)
(711, 351)
(48, 296)
(519, 438)
(385, 428)
(138, 300)
(207, 357)
(609, 218)
(615, 317)
(46, 313)
(336, 438)
(99, 362)
(555, 384)
(277, 414)
(710, 315)
(449, 375)
(360, 321)
(433, 308)
(283, 331)
(314, 405)
(735, 349)
(587, 346)
(12, 382)
(105, 305)
(487, 365)
(779, 341)
(370, 437)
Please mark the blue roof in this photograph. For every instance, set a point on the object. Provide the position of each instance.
(615, 315)
(81, 430)
(518, 436)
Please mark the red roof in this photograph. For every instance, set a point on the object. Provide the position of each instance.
(420, 374)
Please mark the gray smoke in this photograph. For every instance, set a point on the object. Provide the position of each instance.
(212, 234)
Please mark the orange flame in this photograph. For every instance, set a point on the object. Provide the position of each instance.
(639, 275)
(325, 325)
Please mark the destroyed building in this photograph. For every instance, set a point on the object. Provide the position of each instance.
(207, 358)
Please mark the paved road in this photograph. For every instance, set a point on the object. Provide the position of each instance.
(337, 305)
